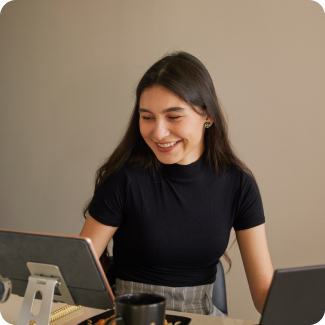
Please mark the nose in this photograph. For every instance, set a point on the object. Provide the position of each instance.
(160, 130)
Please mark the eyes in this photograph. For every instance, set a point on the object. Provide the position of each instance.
(148, 118)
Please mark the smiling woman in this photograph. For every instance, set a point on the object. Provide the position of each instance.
(170, 127)
(173, 189)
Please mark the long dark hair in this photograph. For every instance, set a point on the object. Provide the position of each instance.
(187, 77)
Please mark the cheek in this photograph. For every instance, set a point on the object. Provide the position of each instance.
(191, 131)
(144, 129)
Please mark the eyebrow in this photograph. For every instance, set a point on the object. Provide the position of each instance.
(167, 110)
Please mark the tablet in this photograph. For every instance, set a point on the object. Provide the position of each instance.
(73, 257)
(296, 296)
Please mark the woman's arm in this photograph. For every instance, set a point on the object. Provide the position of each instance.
(99, 234)
(257, 263)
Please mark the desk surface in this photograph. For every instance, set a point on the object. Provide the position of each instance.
(10, 312)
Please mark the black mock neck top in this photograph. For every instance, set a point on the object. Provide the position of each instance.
(175, 225)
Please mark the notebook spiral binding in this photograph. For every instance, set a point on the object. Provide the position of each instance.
(61, 312)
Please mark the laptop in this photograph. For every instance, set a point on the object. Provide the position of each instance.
(296, 297)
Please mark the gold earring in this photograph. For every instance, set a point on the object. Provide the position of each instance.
(207, 125)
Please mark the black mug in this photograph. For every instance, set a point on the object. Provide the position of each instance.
(139, 309)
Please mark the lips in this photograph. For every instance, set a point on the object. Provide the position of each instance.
(167, 146)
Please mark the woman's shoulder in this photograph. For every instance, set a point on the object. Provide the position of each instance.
(120, 182)
(126, 174)
(237, 176)
(232, 172)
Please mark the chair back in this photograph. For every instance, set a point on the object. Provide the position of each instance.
(219, 296)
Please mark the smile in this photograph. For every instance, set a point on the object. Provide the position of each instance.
(166, 145)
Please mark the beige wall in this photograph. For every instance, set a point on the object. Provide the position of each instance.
(68, 69)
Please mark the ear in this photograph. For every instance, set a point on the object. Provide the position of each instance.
(209, 119)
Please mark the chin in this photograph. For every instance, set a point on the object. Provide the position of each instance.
(166, 160)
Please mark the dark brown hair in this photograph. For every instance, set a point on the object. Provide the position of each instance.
(187, 77)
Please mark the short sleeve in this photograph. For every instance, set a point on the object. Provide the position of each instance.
(107, 203)
(250, 212)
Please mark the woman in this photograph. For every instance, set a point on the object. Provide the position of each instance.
(173, 189)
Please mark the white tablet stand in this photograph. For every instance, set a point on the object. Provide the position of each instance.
(44, 278)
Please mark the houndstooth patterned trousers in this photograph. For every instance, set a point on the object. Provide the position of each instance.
(195, 300)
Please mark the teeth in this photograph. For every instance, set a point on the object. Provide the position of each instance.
(166, 145)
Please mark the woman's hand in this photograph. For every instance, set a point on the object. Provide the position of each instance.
(99, 234)
(257, 263)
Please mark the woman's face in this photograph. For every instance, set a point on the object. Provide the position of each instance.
(170, 127)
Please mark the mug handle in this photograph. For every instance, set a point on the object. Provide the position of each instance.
(114, 319)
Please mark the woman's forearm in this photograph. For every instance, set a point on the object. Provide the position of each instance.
(259, 302)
